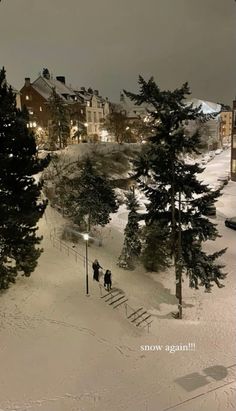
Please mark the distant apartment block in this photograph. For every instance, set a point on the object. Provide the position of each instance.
(233, 144)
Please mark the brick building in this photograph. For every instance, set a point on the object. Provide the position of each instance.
(83, 105)
(233, 144)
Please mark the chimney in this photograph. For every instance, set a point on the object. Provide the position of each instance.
(27, 81)
(62, 79)
(82, 90)
(122, 97)
(96, 92)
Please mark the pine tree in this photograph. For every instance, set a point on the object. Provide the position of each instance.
(20, 205)
(116, 123)
(156, 248)
(78, 117)
(177, 198)
(59, 130)
(90, 197)
(132, 243)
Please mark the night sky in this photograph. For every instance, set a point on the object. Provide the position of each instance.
(105, 44)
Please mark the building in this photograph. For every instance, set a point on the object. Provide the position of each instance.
(83, 105)
(233, 144)
(225, 126)
(210, 131)
(96, 109)
(35, 97)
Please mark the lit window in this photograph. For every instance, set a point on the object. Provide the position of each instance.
(233, 166)
(88, 103)
(27, 97)
(28, 125)
(234, 141)
(34, 124)
(40, 108)
(31, 112)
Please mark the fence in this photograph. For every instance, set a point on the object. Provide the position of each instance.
(62, 246)
(116, 297)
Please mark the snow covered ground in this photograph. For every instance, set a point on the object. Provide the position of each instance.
(63, 351)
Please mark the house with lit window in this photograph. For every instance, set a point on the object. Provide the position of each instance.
(81, 103)
(35, 97)
(233, 144)
(96, 109)
(225, 126)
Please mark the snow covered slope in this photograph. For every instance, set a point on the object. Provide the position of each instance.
(63, 351)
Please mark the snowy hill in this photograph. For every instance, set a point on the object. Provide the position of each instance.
(61, 350)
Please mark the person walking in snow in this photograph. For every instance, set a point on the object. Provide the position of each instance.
(96, 267)
(107, 280)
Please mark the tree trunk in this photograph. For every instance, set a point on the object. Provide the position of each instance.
(179, 260)
(173, 224)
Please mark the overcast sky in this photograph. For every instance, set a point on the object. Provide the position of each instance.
(106, 44)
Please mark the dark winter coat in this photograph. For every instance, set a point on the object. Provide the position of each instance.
(96, 267)
(107, 278)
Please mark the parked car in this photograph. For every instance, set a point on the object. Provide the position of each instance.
(223, 179)
(218, 151)
(231, 223)
(216, 186)
(209, 210)
(211, 154)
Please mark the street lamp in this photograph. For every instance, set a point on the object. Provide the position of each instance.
(86, 238)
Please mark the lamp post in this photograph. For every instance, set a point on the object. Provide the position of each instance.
(179, 263)
(86, 238)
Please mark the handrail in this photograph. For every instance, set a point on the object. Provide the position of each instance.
(77, 255)
(69, 249)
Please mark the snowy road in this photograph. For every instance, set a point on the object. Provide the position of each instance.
(63, 351)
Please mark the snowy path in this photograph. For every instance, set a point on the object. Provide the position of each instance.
(63, 351)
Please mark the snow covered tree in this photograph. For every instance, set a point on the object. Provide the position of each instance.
(20, 205)
(177, 198)
(78, 117)
(132, 243)
(156, 254)
(116, 123)
(90, 197)
(59, 129)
